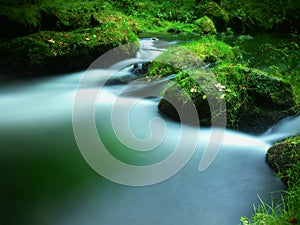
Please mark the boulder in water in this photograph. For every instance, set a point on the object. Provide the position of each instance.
(254, 100)
(283, 158)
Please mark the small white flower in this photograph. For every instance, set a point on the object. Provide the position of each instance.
(51, 41)
(193, 90)
(222, 96)
(220, 87)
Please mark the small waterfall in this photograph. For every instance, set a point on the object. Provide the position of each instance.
(287, 127)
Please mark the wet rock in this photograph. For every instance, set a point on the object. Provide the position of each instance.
(282, 158)
(254, 100)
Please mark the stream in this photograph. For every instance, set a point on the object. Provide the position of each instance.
(49, 177)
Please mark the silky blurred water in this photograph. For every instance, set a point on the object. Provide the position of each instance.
(45, 180)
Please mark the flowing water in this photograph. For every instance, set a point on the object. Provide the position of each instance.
(46, 180)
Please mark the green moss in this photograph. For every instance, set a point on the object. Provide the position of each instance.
(210, 50)
(282, 61)
(248, 93)
(62, 50)
(190, 55)
(174, 60)
(194, 89)
(159, 25)
(253, 93)
(212, 10)
(258, 83)
(206, 25)
(59, 16)
(283, 158)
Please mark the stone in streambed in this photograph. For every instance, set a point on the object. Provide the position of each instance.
(254, 100)
(282, 157)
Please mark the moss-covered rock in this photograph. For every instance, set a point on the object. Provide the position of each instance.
(260, 100)
(259, 84)
(218, 15)
(50, 51)
(191, 55)
(60, 36)
(210, 50)
(254, 100)
(206, 25)
(195, 89)
(284, 159)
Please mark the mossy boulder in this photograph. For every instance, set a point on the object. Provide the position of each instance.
(206, 25)
(259, 84)
(195, 89)
(191, 55)
(254, 100)
(50, 51)
(61, 36)
(210, 50)
(261, 99)
(216, 13)
(284, 158)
